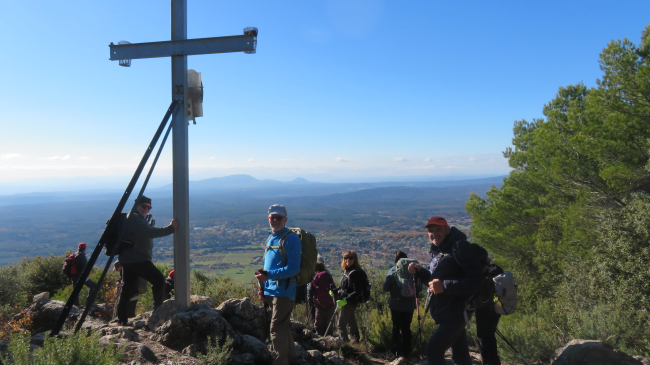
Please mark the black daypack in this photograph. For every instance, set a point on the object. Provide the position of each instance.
(70, 265)
(114, 243)
(485, 295)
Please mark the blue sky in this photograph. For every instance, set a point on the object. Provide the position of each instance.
(338, 90)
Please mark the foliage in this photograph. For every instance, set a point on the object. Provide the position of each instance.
(572, 218)
(217, 354)
(220, 289)
(73, 350)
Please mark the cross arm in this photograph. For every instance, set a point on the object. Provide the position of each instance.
(238, 43)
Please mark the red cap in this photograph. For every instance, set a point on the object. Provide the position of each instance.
(436, 221)
(82, 245)
(171, 274)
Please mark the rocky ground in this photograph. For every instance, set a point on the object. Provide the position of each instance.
(176, 334)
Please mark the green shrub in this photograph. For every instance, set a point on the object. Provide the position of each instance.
(220, 289)
(73, 350)
(216, 354)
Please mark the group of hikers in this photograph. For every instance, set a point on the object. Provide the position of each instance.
(452, 278)
(454, 275)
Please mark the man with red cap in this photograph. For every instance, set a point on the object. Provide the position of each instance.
(169, 285)
(454, 275)
(80, 262)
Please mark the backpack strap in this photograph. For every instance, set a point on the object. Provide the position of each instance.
(283, 252)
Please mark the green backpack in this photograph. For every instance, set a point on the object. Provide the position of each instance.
(404, 279)
(307, 256)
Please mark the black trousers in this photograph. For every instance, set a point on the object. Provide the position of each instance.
(402, 335)
(89, 283)
(449, 334)
(132, 271)
(487, 321)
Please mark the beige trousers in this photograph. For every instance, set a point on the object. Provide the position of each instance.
(281, 331)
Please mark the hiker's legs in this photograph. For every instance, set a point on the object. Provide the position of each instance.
(133, 304)
(460, 350)
(402, 332)
(74, 284)
(443, 338)
(150, 273)
(281, 330)
(347, 318)
(129, 288)
(323, 318)
(486, 325)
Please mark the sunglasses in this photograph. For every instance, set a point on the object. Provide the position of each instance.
(276, 218)
(147, 207)
(348, 258)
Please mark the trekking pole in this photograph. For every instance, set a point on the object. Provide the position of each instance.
(111, 230)
(511, 346)
(419, 335)
(332, 320)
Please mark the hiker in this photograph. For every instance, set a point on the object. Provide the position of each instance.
(169, 285)
(350, 294)
(319, 295)
(142, 288)
(401, 310)
(487, 320)
(80, 264)
(454, 275)
(279, 285)
(136, 255)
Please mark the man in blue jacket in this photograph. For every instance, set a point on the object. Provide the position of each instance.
(281, 265)
(454, 276)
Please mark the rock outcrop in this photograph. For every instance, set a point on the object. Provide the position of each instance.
(245, 317)
(588, 352)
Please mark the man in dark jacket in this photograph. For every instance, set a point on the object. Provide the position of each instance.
(137, 253)
(80, 262)
(454, 276)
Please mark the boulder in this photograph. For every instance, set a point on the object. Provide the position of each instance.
(334, 358)
(39, 297)
(163, 314)
(316, 355)
(45, 313)
(255, 347)
(194, 327)
(139, 352)
(644, 360)
(245, 317)
(242, 359)
(92, 325)
(38, 339)
(588, 352)
(122, 332)
(198, 299)
(399, 361)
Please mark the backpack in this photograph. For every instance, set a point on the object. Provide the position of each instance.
(113, 240)
(404, 279)
(366, 288)
(506, 293)
(70, 265)
(322, 284)
(497, 288)
(308, 255)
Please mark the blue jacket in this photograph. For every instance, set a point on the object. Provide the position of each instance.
(460, 272)
(278, 270)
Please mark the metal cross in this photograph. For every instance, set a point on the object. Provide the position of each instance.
(178, 49)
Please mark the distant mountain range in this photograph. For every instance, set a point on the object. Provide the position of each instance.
(237, 187)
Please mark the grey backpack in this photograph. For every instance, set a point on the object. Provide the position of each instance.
(506, 293)
(404, 279)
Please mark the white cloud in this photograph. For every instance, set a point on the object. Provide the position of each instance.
(428, 159)
(471, 159)
(83, 158)
(341, 159)
(399, 159)
(491, 160)
(452, 168)
(9, 156)
(66, 157)
(250, 160)
(211, 158)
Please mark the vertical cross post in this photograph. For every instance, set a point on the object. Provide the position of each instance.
(181, 207)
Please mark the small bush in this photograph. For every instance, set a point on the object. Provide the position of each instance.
(215, 354)
(220, 289)
(73, 350)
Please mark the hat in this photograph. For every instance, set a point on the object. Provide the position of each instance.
(142, 199)
(320, 258)
(278, 209)
(117, 264)
(171, 274)
(436, 221)
(82, 245)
